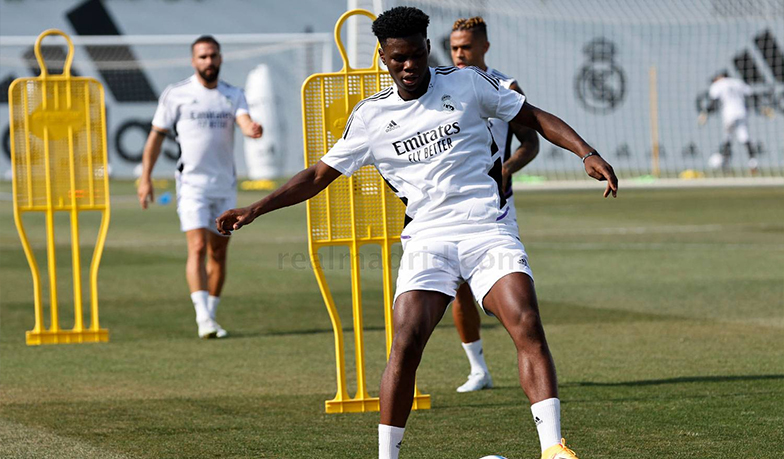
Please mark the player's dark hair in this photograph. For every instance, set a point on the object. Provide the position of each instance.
(206, 39)
(400, 22)
(475, 24)
(721, 74)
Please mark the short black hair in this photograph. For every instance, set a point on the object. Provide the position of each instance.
(721, 74)
(400, 22)
(206, 39)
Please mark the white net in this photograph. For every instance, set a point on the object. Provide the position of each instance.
(134, 70)
(591, 63)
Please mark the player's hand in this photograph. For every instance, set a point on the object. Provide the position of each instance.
(767, 111)
(601, 170)
(234, 219)
(145, 192)
(702, 119)
(254, 131)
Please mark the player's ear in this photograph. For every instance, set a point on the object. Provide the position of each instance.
(381, 54)
(487, 45)
(428, 46)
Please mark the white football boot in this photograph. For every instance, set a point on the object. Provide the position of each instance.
(208, 328)
(476, 381)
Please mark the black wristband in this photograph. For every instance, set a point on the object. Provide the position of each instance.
(593, 153)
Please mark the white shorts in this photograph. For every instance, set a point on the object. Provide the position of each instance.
(441, 265)
(738, 129)
(199, 211)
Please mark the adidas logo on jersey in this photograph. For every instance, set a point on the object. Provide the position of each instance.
(391, 126)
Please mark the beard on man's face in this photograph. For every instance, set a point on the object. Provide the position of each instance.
(210, 74)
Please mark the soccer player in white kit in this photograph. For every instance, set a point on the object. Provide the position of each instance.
(730, 94)
(442, 160)
(468, 45)
(202, 111)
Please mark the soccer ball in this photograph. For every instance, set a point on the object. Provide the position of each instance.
(716, 161)
(494, 456)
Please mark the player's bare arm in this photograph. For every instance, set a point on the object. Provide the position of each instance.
(248, 127)
(301, 187)
(557, 132)
(152, 149)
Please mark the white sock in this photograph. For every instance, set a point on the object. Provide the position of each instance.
(547, 416)
(476, 357)
(212, 305)
(200, 305)
(390, 438)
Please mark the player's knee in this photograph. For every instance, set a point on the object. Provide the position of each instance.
(526, 325)
(409, 344)
(197, 248)
(218, 256)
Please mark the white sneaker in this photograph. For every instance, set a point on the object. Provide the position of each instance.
(208, 328)
(753, 164)
(477, 381)
(221, 333)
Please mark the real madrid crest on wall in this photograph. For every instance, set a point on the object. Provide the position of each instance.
(600, 84)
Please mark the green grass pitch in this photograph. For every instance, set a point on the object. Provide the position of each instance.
(664, 311)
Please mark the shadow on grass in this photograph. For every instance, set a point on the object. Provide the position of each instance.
(679, 380)
(552, 314)
(557, 313)
(504, 395)
(310, 331)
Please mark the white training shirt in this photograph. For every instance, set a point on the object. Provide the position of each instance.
(731, 93)
(436, 152)
(500, 129)
(203, 121)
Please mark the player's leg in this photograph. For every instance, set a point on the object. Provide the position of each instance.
(513, 300)
(217, 251)
(195, 267)
(726, 146)
(196, 274)
(502, 282)
(416, 314)
(467, 323)
(194, 212)
(427, 280)
(742, 134)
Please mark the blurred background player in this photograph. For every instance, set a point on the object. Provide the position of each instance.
(730, 94)
(468, 44)
(202, 111)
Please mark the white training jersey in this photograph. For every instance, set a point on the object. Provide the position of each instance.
(731, 94)
(203, 121)
(435, 152)
(500, 129)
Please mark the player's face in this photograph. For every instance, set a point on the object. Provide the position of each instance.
(468, 49)
(406, 59)
(206, 59)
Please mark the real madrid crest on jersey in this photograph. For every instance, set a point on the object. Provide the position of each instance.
(446, 103)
